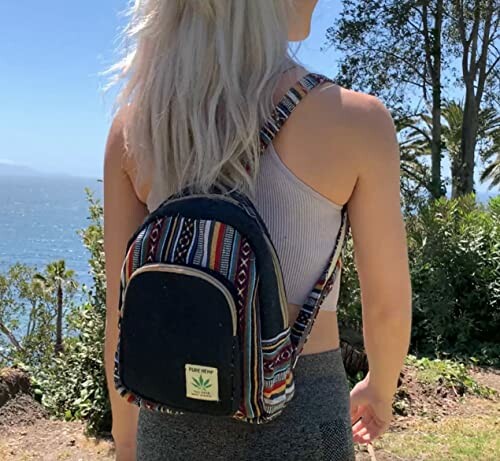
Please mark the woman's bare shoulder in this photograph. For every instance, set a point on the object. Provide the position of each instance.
(363, 122)
(118, 153)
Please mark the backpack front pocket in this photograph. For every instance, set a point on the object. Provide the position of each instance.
(179, 343)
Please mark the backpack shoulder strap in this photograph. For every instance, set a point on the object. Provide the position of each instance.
(303, 324)
(305, 319)
(287, 104)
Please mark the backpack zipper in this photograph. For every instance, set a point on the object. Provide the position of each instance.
(284, 310)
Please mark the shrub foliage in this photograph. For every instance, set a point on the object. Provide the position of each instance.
(454, 253)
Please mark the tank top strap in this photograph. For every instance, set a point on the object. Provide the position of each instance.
(287, 104)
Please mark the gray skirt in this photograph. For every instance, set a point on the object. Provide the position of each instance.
(314, 426)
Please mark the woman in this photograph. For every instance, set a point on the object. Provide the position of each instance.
(201, 79)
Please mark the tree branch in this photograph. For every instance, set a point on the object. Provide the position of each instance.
(481, 64)
(465, 42)
(492, 68)
(10, 337)
(427, 44)
(474, 35)
(397, 57)
(420, 181)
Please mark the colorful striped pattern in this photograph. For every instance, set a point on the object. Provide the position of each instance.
(179, 240)
(307, 314)
(284, 108)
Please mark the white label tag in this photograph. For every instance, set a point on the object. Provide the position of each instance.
(201, 382)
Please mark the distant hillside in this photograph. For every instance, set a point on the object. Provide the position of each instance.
(9, 169)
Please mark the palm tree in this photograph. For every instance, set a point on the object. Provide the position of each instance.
(492, 172)
(418, 144)
(414, 147)
(488, 142)
(489, 130)
(55, 280)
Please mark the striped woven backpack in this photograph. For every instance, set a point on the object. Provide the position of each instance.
(203, 319)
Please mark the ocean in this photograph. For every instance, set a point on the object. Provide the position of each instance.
(39, 220)
(40, 217)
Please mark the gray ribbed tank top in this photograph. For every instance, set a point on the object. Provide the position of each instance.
(303, 225)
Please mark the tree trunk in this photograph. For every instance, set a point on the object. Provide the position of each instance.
(59, 319)
(436, 185)
(455, 176)
(465, 183)
(432, 43)
(474, 67)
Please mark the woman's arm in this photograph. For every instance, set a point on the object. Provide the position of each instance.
(123, 213)
(381, 257)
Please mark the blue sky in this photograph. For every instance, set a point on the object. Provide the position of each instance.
(54, 116)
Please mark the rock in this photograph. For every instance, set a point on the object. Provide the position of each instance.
(12, 382)
(355, 360)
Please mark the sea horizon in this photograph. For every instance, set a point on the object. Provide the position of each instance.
(40, 216)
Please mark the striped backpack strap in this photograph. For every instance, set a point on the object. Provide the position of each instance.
(284, 108)
(307, 314)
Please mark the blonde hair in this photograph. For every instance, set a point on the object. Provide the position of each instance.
(198, 85)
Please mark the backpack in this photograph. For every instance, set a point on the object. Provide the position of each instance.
(203, 319)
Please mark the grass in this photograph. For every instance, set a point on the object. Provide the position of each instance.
(454, 438)
(467, 430)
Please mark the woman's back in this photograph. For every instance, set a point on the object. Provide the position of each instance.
(306, 175)
(200, 79)
(301, 210)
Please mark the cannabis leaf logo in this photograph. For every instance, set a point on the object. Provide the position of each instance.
(201, 384)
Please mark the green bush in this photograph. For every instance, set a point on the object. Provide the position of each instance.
(448, 373)
(74, 385)
(454, 253)
(349, 306)
(454, 249)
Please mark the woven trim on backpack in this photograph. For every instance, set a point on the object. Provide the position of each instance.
(279, 385)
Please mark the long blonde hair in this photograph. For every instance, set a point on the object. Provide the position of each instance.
(198, 81)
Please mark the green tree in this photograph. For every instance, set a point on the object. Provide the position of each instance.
(394, 49)
(492, 171)
(411, 54)
(57, 279)
(13, 306)
(489, 126)
(414, 149)
(474, 35)
(26, 317)
(417, 143)
(74, 386)
(454, 256)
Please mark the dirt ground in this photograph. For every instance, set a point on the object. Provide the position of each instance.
(27, 433)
